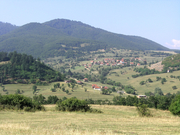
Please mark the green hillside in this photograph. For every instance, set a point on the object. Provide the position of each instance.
(62, 37)
(172, 61)
(22, 68)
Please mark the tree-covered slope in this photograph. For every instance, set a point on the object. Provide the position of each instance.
(84, 31)
(6, 28)
(21, 66)
(62, 37)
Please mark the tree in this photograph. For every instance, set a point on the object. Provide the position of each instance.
(40, 99)
(85, 89)
(143, 110)
(113, 89)
(130, 89)
(34, 88)
(142, 82)
(175, 106)
(163, 80)
(149, 80)
(17, 91)
(67, 91)
(174, 87)
(158, 91)
(158, 78)
(53, 90)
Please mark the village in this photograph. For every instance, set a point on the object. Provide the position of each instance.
(115, 62)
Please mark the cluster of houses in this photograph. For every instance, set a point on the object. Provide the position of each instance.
(111, 62)
(95, 87)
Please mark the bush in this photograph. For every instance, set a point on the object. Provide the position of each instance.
(130, 89)
(74, 104)
(142, 83)
(19, 102)
(175, 106)
(143, 110)
(174, 87)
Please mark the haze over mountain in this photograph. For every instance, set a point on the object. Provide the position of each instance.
(59, 36)
(6, 28)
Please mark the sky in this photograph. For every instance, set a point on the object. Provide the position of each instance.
(157, 20)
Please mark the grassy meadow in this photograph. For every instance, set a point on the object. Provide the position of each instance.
(114, 120)
(126, 79)
(78, 91)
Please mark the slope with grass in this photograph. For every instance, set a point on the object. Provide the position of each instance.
(78, 91)
(114, 120)
(126, 79)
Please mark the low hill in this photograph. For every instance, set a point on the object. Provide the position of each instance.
(172, 61)
(22, 68)
(63, 37)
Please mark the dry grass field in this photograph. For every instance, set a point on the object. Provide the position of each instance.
(114, 120)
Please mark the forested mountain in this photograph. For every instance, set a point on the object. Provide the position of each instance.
(6, 28)
(62, 37)
(17, 67)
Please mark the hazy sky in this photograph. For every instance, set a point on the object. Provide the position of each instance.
(157, 20)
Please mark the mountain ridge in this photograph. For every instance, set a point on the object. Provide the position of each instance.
(41, 39)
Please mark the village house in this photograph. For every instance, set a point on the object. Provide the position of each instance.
(131, 63)
(104, 87)
(138, 64)
(79, 82)
(141, 96)
(97, 88)
(107, 64)
(90, 66)
(85, 80)
(117, 60)
(93, 85)
(67, 81)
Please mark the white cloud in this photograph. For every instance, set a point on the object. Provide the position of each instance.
(176, 44)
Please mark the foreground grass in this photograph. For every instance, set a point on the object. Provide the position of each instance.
(114, 120)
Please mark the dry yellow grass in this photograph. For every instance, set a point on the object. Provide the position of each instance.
(114, 120)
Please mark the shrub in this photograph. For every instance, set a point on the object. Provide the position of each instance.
(142, 83)
(74, 104)
(19, 102)
(143, 110)
(174, 87)
(149, 80)
(53, 90)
